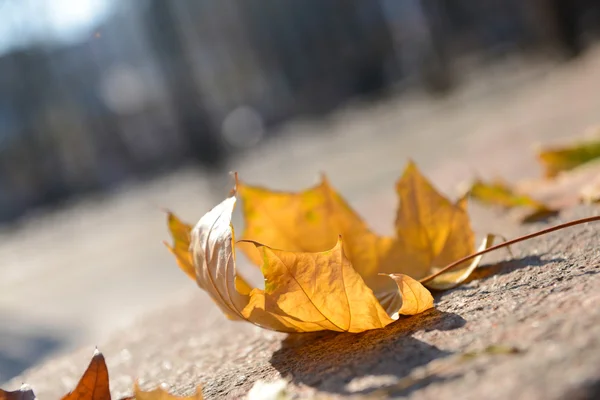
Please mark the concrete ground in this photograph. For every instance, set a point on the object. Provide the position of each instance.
(85, 275)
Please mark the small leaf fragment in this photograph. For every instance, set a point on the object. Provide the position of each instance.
(263, 390)
(415, 297)
(161, 394)
(494, 349)
(93, 385)
(559, 159)
(498, 193)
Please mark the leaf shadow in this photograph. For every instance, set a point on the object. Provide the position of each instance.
(24, 348)
(506, 267)
(541, 215)
(329, 361)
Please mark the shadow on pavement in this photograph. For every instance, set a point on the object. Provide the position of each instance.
(506, 267)
(24, 347)
(330, 361)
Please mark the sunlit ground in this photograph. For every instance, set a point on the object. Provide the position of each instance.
(73, 276)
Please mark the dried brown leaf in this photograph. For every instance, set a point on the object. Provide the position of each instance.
(93, 385)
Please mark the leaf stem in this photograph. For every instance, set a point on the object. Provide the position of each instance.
(508, 243)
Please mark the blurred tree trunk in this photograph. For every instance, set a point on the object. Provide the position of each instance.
(566, 18)
(193, 119)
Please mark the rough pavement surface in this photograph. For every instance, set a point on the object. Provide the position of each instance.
(544, 301)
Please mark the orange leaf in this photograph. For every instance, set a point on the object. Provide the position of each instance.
(93, 385)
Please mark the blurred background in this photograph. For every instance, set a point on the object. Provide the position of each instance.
(110, 110)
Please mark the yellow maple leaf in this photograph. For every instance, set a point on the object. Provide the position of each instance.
(558, 159)
(324, 268)
(499, 193)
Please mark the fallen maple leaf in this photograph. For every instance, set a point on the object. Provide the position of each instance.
(287, 276)
(319, 281)
(499, 193)
(558, 159)
(545, 197)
